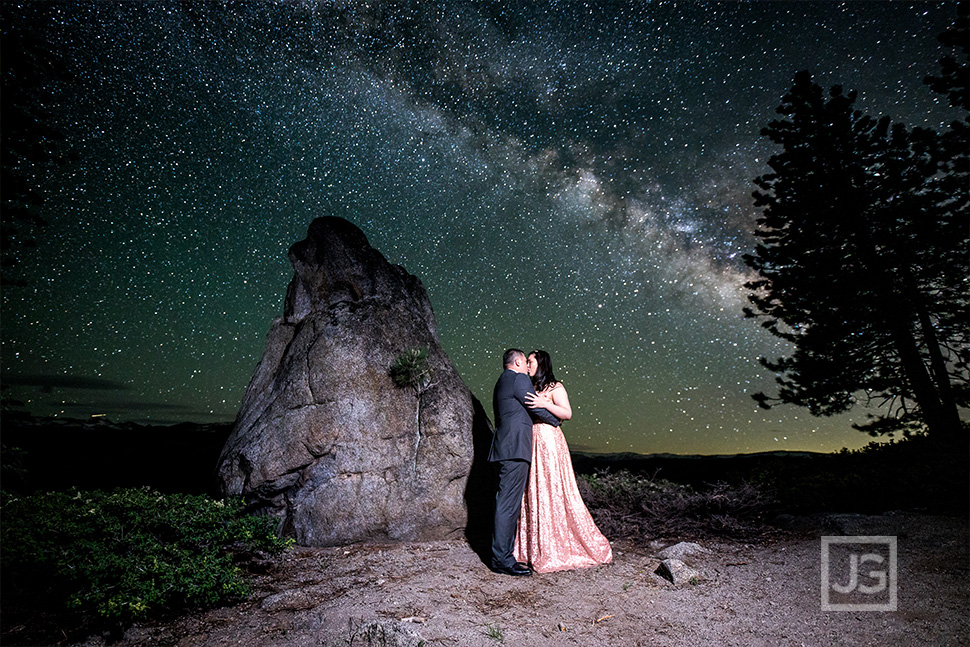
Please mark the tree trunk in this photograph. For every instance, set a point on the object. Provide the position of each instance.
(924, 389)
(949, 410)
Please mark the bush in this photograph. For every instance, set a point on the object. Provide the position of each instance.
(129, 553)
(914, 473)
(635, 506)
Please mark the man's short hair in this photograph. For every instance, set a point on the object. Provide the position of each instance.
(509, 358)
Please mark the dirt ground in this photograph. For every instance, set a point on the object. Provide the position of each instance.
(440, 593)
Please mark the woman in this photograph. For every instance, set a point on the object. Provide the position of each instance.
(556, 531)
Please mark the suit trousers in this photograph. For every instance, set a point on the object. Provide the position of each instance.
(512, 477)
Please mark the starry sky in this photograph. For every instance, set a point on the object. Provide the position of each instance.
(573, 176)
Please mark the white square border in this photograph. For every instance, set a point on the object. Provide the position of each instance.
(892, 604)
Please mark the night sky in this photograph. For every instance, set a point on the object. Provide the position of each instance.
(569, 176)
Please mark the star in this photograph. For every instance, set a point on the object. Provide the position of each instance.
(569, 177)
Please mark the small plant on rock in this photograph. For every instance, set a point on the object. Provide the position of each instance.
(412, 370)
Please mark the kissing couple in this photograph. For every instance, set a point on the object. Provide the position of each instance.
(541, 522)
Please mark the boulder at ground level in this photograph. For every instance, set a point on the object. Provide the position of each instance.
(677, 572)
(681, 550)
(325, 439)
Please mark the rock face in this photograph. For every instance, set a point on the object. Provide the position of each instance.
(325, 439)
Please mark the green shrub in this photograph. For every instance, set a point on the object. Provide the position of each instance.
(411, 369)
(130, 553)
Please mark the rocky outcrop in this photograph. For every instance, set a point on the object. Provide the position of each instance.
(325, 439)
(673, 569)
(678, 572)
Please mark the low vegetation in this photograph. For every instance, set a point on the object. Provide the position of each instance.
(911, 474)
(106, 559)
(628, 505)
(76, 561)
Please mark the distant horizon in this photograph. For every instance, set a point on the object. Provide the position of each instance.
(578, 180)
(95, 419)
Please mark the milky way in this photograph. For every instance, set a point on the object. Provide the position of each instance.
(565, 176)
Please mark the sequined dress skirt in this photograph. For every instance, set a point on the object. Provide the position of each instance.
(556, 531)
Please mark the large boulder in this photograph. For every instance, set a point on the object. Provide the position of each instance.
(325, 439)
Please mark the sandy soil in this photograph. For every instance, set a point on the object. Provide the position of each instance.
(440, 593)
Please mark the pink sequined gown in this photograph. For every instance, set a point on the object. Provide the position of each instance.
(556, 531)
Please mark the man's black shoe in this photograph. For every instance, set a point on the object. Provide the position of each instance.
(518, 569)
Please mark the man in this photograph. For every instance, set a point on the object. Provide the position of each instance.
(512, 451)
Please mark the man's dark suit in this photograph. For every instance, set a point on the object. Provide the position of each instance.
(512, 450)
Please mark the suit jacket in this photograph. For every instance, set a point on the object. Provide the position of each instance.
(512, 438)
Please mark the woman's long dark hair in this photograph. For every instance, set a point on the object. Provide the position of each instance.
(544, 377)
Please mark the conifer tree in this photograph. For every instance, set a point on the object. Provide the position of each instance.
(862, 265)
